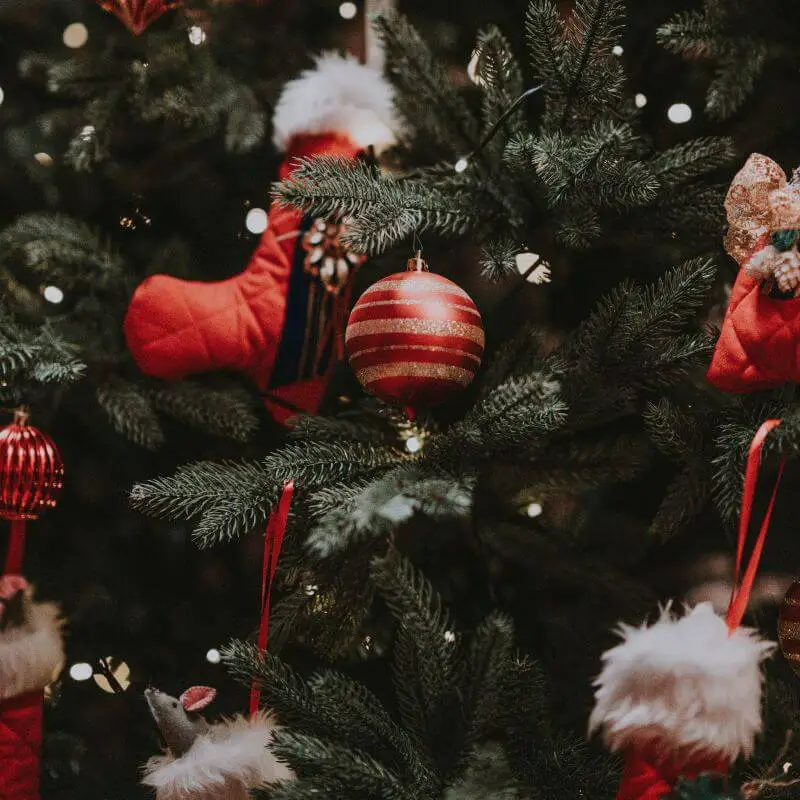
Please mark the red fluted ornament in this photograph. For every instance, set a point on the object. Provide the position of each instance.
(136, 15)
(31, 477)
(414, 338)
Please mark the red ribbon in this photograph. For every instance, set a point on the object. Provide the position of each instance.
(273, 539)
(740, 594)
(16, 548)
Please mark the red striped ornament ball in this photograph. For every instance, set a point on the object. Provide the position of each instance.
(414, 338)
(789, 627)
(31, 470)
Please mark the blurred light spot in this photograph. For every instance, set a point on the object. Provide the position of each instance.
(348, 10)
(75, 35)
(81, 671)
(213, 656)
(534, 510)
(256, 220)
(472, 69)
(53, 294)
(310, 589)
(617, 50)
(539, 274)
(679, 113)
(461, 165)
(413, 444)
(196, 35)
(45, 159)
(449, 636)
(121, 673)
(640, 100)
(2, 95)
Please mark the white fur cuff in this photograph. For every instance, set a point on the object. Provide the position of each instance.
(683, 684)
(339, 95)
(31, 655)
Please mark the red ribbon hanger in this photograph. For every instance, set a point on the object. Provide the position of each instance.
(743, 584)
(273, 540)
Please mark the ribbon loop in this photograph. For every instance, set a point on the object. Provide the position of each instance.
(273, 540)
(743, 584)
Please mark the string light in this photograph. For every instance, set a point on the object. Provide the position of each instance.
(310, 589)
(2, 95)
(534, 510)
(413, 444)
(617, 50)
(640, 100)
(53, 294)
(88, 131)
(75, 35)
(539, 275)
(461, 165)
(679, 113)
(449, 636)
(81, 671)
(119, 670)
(45, 159)
(213, 656)
(256, 220)
(348, 10)
(196, 35)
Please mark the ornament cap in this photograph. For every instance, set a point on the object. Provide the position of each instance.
(417, 263)
(21, 416)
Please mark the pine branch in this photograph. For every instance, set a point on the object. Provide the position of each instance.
(130, 412)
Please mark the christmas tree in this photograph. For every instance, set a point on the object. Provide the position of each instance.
(446, 580)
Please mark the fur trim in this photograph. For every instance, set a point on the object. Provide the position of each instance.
(682, 685)
(339, 95)
(224, 763)
(32, 654)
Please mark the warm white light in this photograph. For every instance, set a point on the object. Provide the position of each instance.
(461, 165)
(640, 100)
(213, 656)
(196, 35)
(81, 671)
(679, 113)
(540, 273)
(256, 220)
(413, 445)
(534, 510)
(449, 636)
(75, 35)
(472, 69)
(310, 589)
(45, 159)
(53, 294)
(348, 10)
(2, 95)
(87, 131)
(617, 50)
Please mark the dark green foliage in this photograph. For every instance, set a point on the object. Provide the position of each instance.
(706, 786)
(584, 159)
(470, 711)
(740, 38)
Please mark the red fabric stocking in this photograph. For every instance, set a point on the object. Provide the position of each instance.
(20, 746)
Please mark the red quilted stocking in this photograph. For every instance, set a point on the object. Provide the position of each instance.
(275, 321)
(30, 655)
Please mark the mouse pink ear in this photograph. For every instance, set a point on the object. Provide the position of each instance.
(11, 584)
(197, 697)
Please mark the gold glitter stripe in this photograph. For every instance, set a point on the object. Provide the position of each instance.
(420, 285)
(470, 309)
(442, 327)
(429, 347)
(788, 630)
(415, 369)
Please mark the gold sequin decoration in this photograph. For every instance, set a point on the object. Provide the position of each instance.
(439, 327)
(422, 284)
(327, 256)
(432, 348)
(415, 369)
(421, 301)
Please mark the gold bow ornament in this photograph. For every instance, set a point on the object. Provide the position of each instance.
(763, 209)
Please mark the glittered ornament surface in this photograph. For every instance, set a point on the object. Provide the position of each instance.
(327, 257)
(789, 627)
(31, 470)
(414, 338)
(137, 15)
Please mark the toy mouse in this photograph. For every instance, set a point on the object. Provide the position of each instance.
(204, 760)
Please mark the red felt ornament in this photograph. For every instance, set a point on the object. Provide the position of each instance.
(137, 15)
(415, 338)
(31, 477)
(280, 321)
